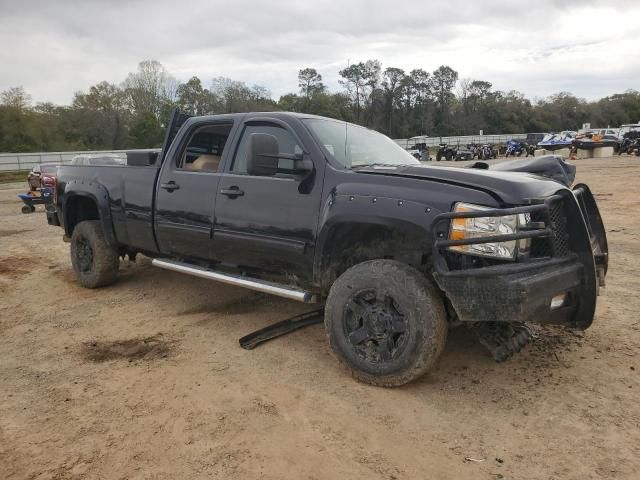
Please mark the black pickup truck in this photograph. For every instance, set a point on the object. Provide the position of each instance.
(323, 211)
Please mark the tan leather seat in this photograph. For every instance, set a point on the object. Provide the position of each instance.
(207, 163)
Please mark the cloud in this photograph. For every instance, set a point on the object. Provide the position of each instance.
(583, 46)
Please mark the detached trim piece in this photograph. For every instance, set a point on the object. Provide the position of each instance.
(246, 282)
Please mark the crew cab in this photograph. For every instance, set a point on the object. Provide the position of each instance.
(319, 210)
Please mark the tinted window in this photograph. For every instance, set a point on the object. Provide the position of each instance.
(286, 144)
(204, 150)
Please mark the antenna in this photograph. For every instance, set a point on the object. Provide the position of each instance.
(346, 137)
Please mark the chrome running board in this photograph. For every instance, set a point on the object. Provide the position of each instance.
(240, 281)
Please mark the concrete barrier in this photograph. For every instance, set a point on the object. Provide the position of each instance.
(583, 153)
(602, 152)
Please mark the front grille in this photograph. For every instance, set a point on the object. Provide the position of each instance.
(558, 244)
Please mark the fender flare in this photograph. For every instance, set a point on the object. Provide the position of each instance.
(100, 196)
(336, 222)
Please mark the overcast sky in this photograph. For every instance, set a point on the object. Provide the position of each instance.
(54, 48)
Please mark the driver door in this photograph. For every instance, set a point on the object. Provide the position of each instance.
(265, 223)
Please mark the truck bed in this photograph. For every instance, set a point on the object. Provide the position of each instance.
(131, 192)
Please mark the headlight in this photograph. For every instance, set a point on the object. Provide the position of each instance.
(466, 228)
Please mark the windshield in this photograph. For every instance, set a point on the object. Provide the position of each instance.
(353, 146)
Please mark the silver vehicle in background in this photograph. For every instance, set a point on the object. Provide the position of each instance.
(630, 127)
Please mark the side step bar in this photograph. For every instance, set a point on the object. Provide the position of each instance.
(240, 281)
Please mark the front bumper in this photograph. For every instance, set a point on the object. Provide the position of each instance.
(573, 268)
(510, 293)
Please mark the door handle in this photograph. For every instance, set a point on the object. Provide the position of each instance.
(232, 192)
(170, 186)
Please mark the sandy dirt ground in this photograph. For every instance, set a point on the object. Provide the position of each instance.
(145, 379)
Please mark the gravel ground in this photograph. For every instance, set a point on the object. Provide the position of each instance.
(145, 379)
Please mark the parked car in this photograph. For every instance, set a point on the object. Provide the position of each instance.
(319, 210)
(614, 132)
(42, 172)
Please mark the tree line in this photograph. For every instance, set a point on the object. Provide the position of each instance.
(398, 103)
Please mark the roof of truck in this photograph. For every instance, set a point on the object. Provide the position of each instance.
(269, 114)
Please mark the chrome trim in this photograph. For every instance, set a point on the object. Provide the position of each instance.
(246, 282)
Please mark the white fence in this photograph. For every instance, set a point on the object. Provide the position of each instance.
(461, 140)
(26, 161)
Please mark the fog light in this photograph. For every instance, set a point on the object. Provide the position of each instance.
(558, 301)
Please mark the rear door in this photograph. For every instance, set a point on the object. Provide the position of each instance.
(268, 223)
(185, 194)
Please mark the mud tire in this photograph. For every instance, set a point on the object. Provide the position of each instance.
(94, 261)
(423, 316)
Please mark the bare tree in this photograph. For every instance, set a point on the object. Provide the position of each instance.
(16, 97)
(150, 88)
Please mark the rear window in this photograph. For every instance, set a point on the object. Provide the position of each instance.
(49, 168)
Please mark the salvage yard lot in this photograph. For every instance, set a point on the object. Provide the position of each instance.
(145, 379)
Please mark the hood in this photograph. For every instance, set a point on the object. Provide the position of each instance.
(549, 166)
(511, 187)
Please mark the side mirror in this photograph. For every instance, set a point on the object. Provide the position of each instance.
(302, 164)
(262, 155)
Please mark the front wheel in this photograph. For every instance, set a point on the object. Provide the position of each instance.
(94, 261)
(385, 322)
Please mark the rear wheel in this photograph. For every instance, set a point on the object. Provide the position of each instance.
(386, 322)
(94, 261)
